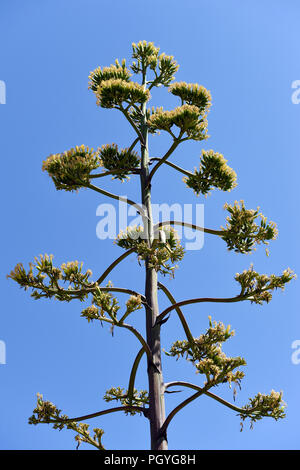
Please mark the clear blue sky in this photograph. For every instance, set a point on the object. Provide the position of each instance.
(247, 54)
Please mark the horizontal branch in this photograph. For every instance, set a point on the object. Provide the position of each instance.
(192, 226)
(100, 413)
(209, 394)
(95, 287)
(131, 171)
(199, 300)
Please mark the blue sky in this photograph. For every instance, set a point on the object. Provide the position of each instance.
(246, 54)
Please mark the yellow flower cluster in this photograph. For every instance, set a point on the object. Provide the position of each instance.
(99, 75)
(186, 117)
(71, 170)
(213, 173)
(112, 93)
(193, 94)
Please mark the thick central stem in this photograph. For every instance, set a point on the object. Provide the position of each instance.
(155, 377)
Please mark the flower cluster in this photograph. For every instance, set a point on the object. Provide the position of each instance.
(262, 405)
(187, 118)
(162, 250)
(43, 278)
(112, 93)
(207, 356)
(122, 161)
(116, 71)
(71, 170)
(167, 67)
(47, 412)
(213, 173)
(258, 287)
(119, 394)
(133, 303)
(103, 303)
(192, 94)
(242, 232)
(147, 55)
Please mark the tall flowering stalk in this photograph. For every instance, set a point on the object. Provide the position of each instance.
(157, 248)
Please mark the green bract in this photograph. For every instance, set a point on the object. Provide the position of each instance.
(112, 93)
(242, 232)
(213, 173)
(123, 161)
(71, 170)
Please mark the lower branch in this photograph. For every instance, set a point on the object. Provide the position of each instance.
(139, 409)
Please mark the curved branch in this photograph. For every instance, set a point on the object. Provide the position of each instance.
(238, 298)
(209, 394)
(122, 291)
(91, 289)
(134, 371)
(136, 333)
(132, 171)
(132, 123)
(178, 311)
(171, 415)
(100, 413)
(176, 167)
(175, 144)
(133, 144)
(192, 226)
(138, 208)
(115, 263)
